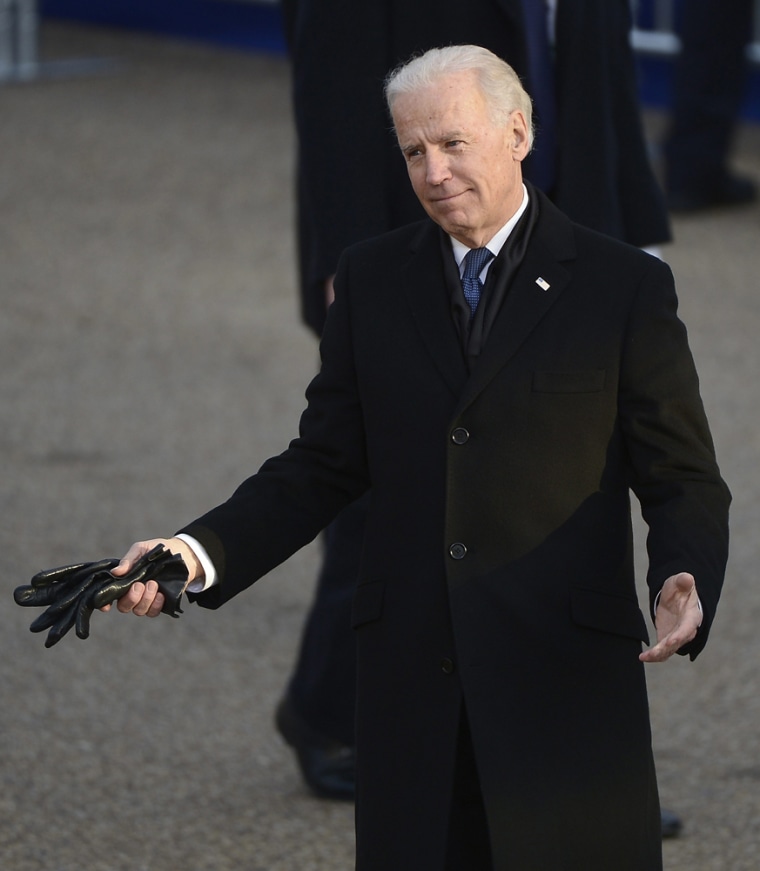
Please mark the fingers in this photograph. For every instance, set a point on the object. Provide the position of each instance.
(665, 648)
(685, 582)
(681, 632)
(678, 588)
(142, 600)
(140, 548)
(146, 575)
(136, 552)
(677, 619)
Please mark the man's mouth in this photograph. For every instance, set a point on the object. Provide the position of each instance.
(446, 198)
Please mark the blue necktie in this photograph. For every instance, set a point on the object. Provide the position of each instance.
(474, 261)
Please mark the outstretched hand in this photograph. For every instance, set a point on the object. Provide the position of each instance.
(677, 619)
(143, 598)
(71, 593)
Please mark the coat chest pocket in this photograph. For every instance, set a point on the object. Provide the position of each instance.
(579, 381)
(368, 603)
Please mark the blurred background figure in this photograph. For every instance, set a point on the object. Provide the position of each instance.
(709, 83)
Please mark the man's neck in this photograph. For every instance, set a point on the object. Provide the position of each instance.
(497, 240)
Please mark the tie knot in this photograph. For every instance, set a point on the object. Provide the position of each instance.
(474, 261)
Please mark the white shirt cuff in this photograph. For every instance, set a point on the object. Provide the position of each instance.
(210, 577)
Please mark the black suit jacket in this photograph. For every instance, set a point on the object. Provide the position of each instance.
(497, 565)
(352, 181)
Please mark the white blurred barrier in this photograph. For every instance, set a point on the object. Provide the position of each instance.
(661, 38)
(19, 48)
(18, 39)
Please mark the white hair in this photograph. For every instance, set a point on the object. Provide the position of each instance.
(499, 83)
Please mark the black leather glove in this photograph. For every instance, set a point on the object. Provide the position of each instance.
(71, 593)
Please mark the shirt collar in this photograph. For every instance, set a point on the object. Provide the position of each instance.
(496, 243)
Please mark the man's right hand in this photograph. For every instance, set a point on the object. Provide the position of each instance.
(144, 600)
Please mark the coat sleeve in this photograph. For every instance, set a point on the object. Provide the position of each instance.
(295, 495)
(683, 498)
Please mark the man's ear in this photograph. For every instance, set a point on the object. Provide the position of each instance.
(519, 135)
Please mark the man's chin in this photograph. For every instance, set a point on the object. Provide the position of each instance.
(450, 218)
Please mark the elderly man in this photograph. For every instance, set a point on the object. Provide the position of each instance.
(501, 378)
(590, 157)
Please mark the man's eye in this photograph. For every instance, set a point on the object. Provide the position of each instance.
(453, 143)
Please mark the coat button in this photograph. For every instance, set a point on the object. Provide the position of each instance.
(460, 436)
(457, 550)
(447, 666)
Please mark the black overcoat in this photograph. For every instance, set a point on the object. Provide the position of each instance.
(497, 566)
(352, 181)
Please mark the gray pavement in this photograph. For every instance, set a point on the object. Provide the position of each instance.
(151, 354)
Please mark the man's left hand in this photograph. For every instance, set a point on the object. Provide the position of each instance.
(677, 618)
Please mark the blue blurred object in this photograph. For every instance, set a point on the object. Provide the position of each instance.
(257, 26)
(244, 25)
(655, 57)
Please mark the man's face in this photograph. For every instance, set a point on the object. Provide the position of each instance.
(465, 170)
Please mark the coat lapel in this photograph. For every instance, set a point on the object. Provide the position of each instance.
(428, 298)
(538, 284)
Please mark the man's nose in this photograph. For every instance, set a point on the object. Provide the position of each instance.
(437, 168)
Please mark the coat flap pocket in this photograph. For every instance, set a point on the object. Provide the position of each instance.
(368, 603)
(609, 613)
(579, 381)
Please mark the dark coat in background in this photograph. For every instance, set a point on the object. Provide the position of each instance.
(352, 180)
(497, 568)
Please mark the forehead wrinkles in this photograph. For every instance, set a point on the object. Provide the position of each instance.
(436, 116)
